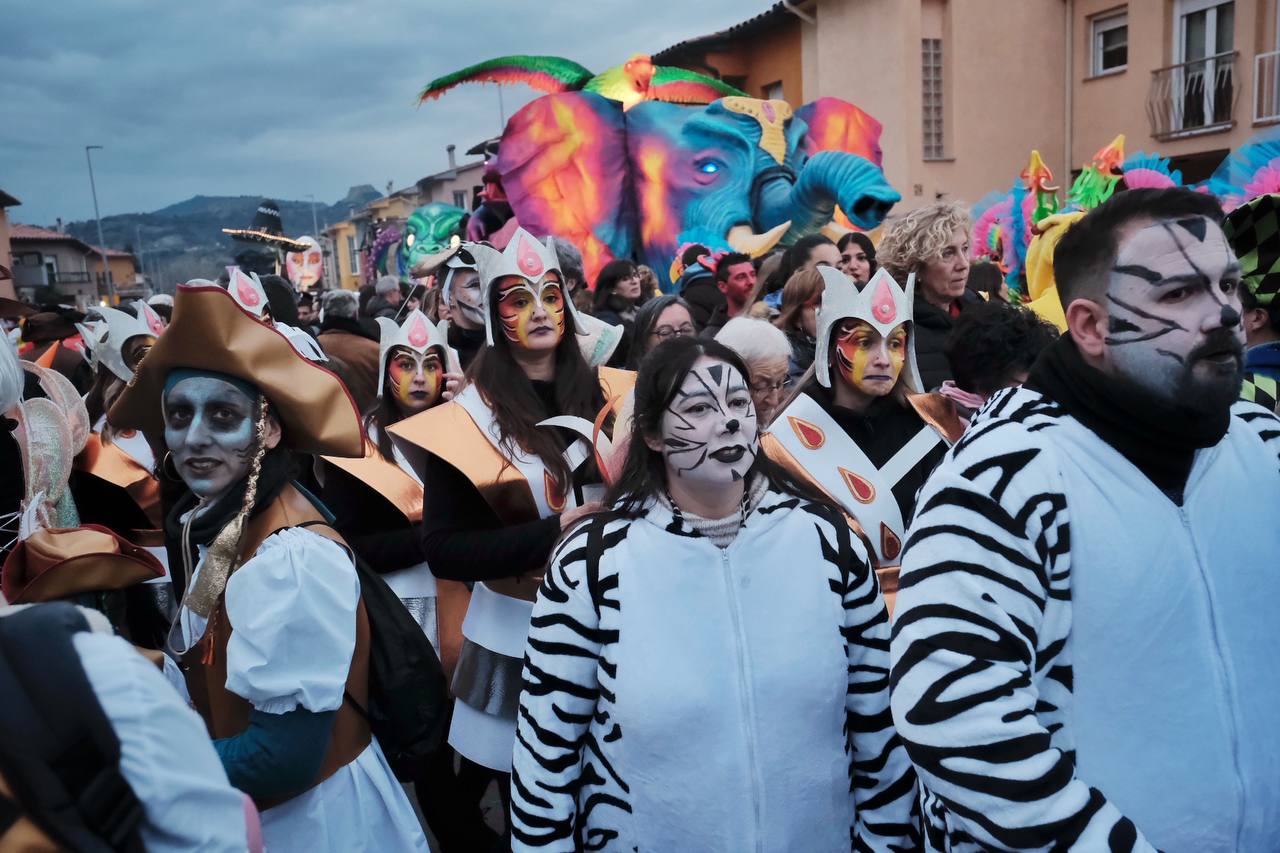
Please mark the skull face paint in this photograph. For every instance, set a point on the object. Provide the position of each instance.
(416, 379)
(1174, 324)
(867, 360)
(209, 428)
(531, 321)
(710, 435)
(466, 299)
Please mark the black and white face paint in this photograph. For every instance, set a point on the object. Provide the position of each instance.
(1175, 324)
(710, 436)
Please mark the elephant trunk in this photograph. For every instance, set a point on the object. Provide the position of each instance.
(828, 178)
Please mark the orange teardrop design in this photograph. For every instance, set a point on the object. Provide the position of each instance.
(883, 307)
(555, 497)
(527, 259)
(810, 435)
(418, 334)
(860, 487)
(890, 544)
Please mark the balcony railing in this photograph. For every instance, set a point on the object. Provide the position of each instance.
(1266, 87)
(1193, 97)
(68, 278)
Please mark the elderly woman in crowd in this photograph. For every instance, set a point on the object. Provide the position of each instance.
(932, 244)
(767, 354)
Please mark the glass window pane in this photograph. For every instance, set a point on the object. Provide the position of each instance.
(1225, 38)
(1195, 29)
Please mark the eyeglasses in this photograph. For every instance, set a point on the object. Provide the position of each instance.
(765, 387)
(664, 333)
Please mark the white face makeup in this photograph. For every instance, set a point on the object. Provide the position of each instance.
(465, 299)
(710, 435)
(1175, 319)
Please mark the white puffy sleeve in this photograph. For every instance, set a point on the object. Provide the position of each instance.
(293, 610)
(165, 753)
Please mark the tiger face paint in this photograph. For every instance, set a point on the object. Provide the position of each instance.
(867, 360)
(531, 319)
(416, 379)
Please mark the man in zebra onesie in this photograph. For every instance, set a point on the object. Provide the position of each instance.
(1085, 650)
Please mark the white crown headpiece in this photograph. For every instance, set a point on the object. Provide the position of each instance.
(106, 338)
(525, 257)
(881, 303)
(416, 333)
(247, 290)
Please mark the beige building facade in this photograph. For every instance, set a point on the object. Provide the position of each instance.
(966, 89)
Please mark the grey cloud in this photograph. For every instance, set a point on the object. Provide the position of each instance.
(282, 98)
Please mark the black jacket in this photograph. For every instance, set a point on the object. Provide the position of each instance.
(932, 325)
(700, 291)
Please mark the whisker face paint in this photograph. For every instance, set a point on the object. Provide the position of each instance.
(710, 433)
(1174, 324)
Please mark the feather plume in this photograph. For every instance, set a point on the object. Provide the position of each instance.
(1144, 170)
(545, 73)
(678, 86)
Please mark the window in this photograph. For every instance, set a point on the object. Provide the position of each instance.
(353, 257)
(1110, 43)
(460, 199)
(931, 98)
(773, 92)
(1205, 80)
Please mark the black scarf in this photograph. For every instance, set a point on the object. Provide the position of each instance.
(277, 468)
(1159, 437)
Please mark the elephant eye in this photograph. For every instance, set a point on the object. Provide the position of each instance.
(408, 241)
(710, 167)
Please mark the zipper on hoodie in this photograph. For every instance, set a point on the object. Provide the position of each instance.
(748, 702)
(1223, 673)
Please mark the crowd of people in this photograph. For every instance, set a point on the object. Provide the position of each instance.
(835, 548)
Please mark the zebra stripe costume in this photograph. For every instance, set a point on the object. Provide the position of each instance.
(681, 697)
(1078, 663)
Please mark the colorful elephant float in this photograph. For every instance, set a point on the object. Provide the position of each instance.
(637, 179)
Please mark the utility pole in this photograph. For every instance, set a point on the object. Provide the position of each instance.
(315, 227)
(141, 255)
(102, 245)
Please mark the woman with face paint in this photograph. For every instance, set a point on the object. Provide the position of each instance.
(377, 506)
(271, 637)
(114, 481)
(501, 480)
(860, 429)
(717, 628)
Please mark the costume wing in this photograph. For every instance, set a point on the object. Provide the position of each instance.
(1251, 170)
(546, 73)
(678, 86)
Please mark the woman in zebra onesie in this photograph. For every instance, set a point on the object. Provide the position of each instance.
(706, 664)
(1085, 646)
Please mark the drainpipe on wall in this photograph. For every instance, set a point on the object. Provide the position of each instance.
(1069, 8)
(791, 7)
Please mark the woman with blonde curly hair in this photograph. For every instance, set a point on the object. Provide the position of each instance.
(932, 243)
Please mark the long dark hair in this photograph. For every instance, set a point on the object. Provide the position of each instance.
(646, 321)
(516, 406)
(385, 411)
(794, 258)
(607, 282)
(864, 242)
(644, 474)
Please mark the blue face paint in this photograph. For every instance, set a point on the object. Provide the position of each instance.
(209, 428)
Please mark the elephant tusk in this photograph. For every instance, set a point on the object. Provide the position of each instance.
(742, 239)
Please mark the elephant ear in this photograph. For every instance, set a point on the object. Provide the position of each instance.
(563, 162)
(836, 125)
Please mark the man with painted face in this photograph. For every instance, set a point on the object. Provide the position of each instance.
(271, 637)
(502, 478)
(377, 506)
(1254, 231)
(693, 648)
(461, 296)
(861, 429)
(1085, 646)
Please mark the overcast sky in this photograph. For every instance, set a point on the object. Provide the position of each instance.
(281, 99)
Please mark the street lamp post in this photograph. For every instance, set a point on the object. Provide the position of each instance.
(102, 245)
